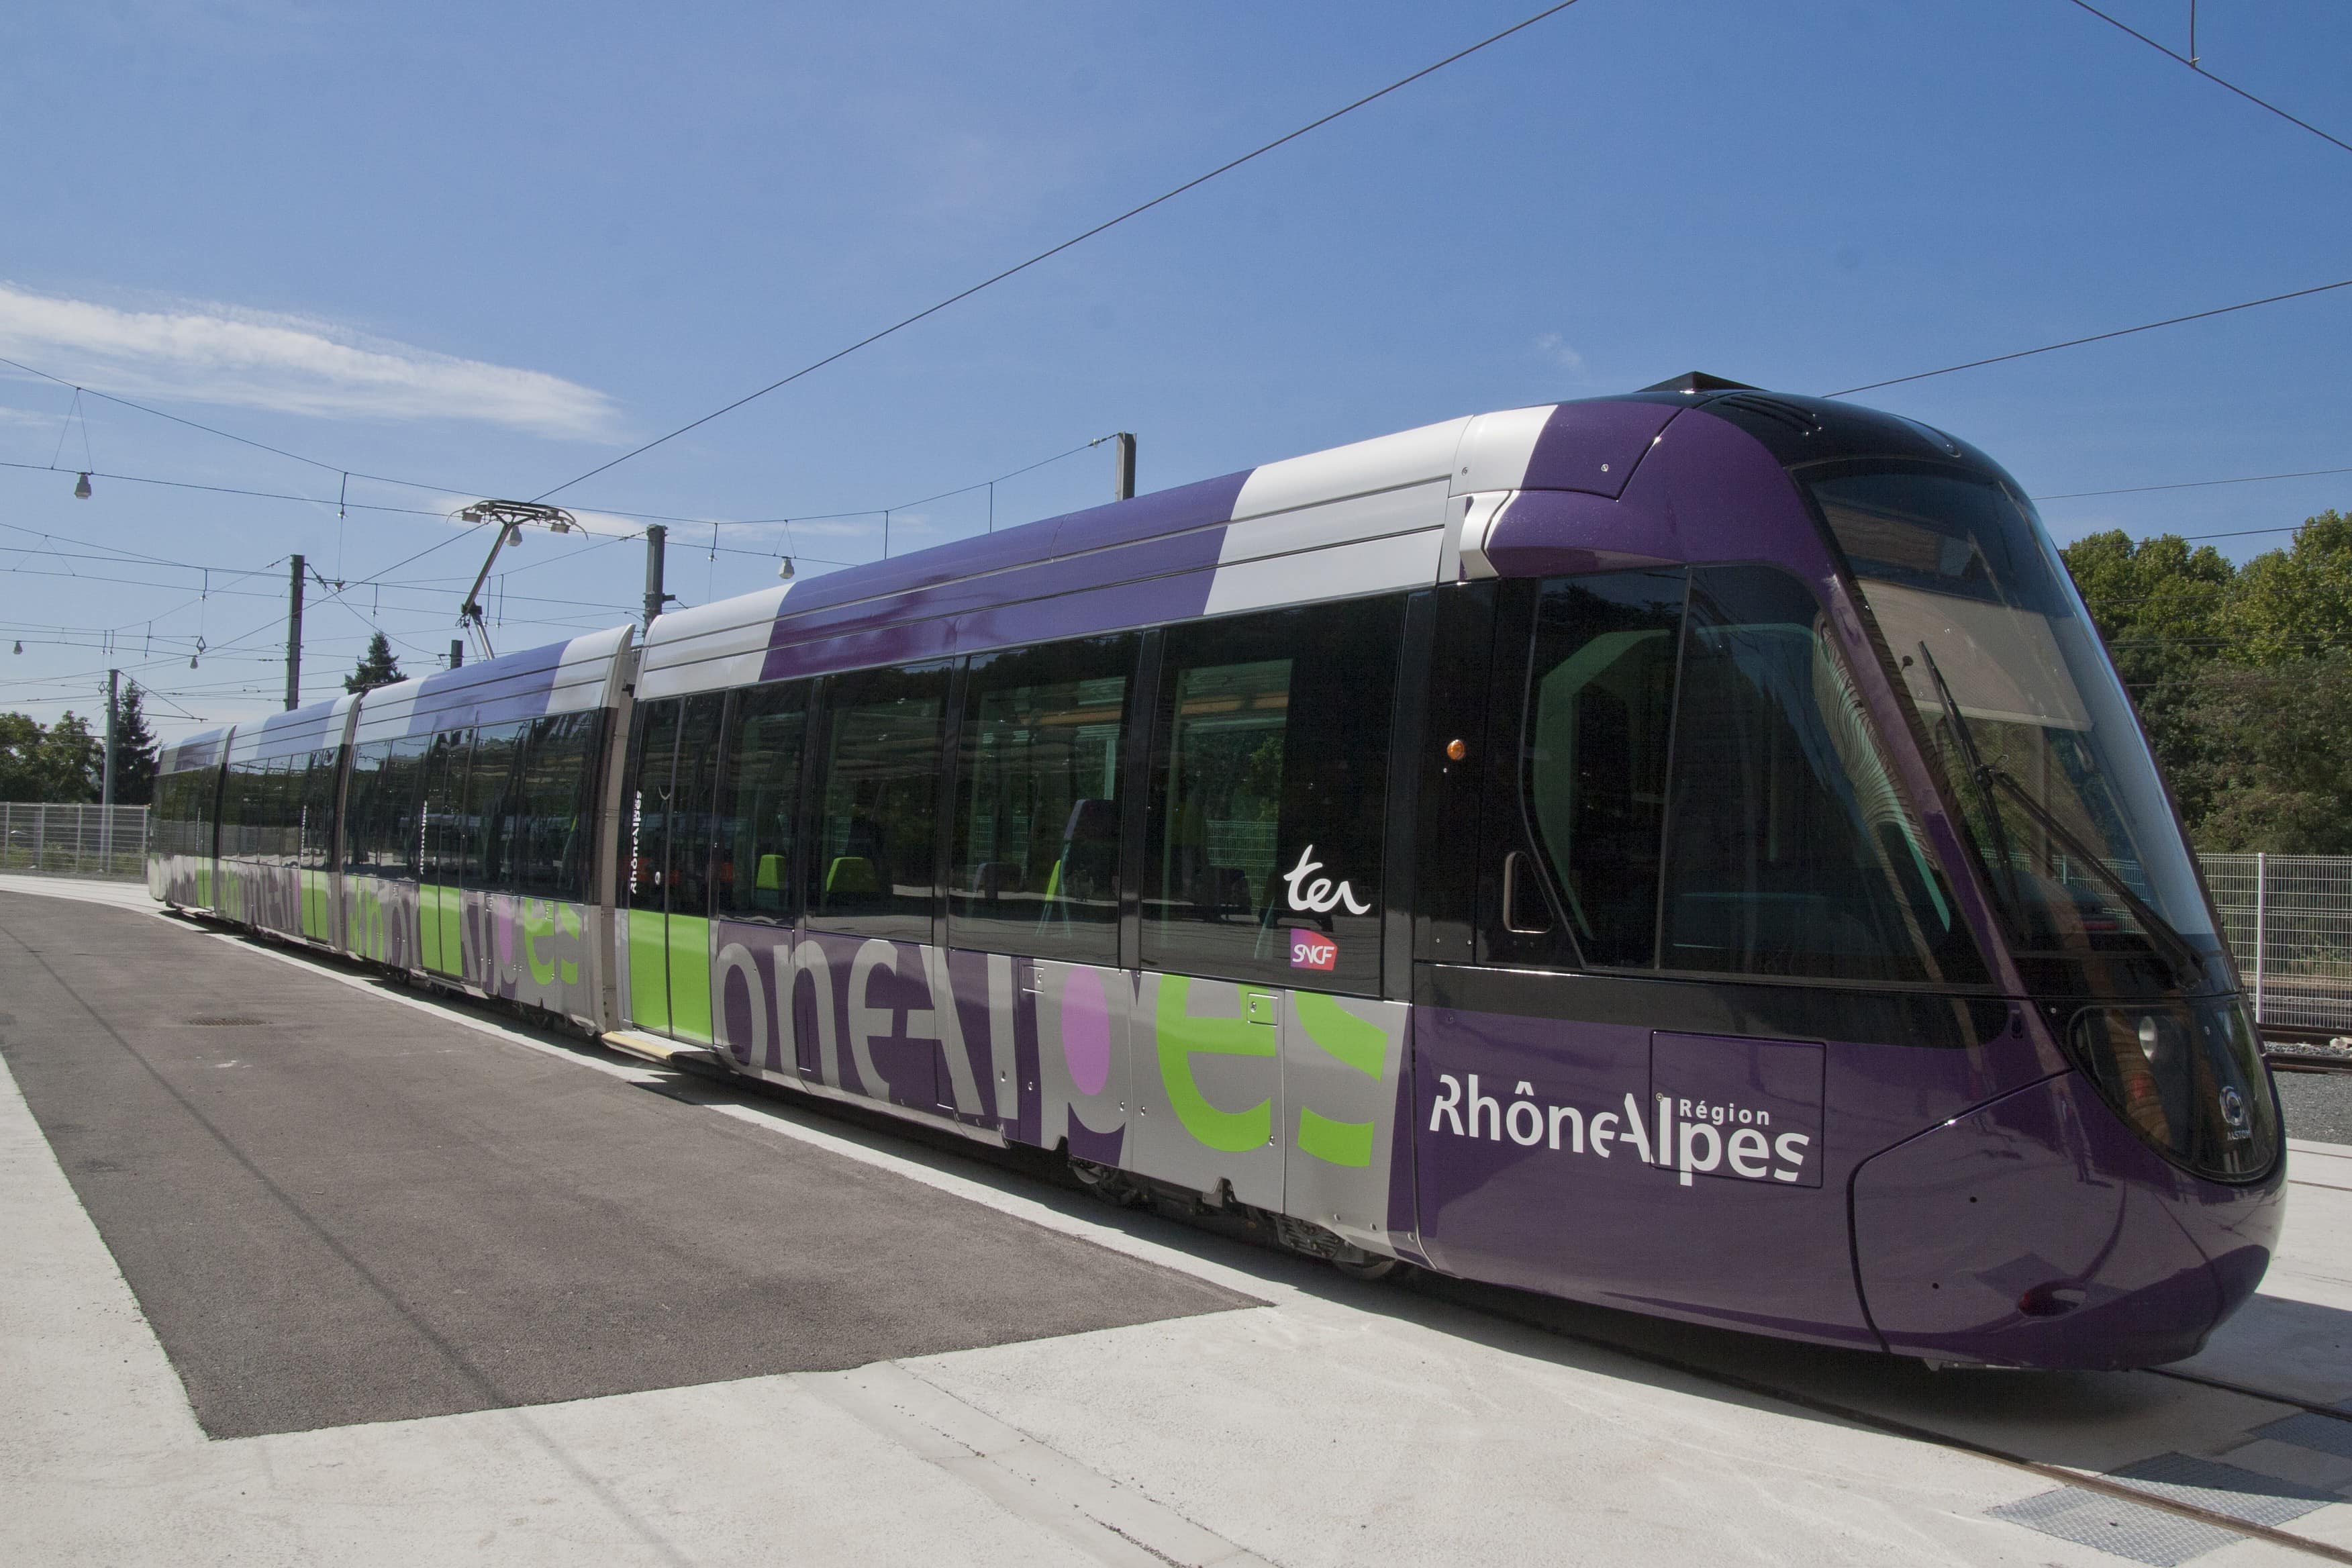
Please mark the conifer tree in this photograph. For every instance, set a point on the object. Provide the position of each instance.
(377, 667)
(134, 751)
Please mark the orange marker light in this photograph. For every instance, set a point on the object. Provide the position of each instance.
(1456, 749)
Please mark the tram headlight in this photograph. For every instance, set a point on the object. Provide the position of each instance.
(2186, 1076)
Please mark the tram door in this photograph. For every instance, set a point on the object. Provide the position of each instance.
(440, 890)
(665, 830)
(1580, 707)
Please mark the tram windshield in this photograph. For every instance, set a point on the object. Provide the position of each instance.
(2043, 757)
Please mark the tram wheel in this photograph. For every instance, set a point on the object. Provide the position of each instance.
(1105, 1183)
(1369, 1267)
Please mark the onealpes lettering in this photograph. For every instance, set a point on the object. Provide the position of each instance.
(1323, 895)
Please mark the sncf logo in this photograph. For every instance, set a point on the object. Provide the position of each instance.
(1312, 949)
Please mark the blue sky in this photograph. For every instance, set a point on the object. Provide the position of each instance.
(486, 248)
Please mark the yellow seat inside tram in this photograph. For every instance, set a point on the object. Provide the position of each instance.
(851, 873)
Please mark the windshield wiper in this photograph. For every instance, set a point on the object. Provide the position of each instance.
(1980, 775)
(2186, 964)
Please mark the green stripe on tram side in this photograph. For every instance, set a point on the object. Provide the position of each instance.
(314, 905)
(438, 913)
(428, 926)
(689, 978)
(649, 971)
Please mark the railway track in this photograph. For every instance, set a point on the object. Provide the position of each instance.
(2307, 1061)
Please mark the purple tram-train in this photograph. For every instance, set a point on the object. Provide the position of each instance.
(1687, 851)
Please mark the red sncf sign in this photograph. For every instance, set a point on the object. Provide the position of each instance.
(1312, 949)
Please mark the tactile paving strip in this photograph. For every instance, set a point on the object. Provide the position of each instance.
(2224, 1488)
(2321, 1434)
(2128, 1529)
(2152, 1536)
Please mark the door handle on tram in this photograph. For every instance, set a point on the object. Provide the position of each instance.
(1525, 913)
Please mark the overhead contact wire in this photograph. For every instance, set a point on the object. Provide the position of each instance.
(1107, 224)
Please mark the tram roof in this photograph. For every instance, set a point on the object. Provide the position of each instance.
(1365, 518)
(559, 677)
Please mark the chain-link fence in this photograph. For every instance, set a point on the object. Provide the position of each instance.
(2289, 920)
(74, 840)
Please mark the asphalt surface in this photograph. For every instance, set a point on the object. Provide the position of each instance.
(335, 1208)
(2318, 1105)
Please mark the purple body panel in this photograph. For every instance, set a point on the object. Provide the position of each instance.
(1128, 564)
(1622, 1230)
(1157, 578)
(1595, 447)
(2039, 1232)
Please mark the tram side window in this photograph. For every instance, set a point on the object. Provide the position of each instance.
(231, 809)
(399, 819)
(548, 836)
(360, 809)
(1600, 721)
(760, 800)
(652, 757)
(442, 803)
(1789, 849)
(872, 872)
(667, 814)
(286, 776)
(692, 803)
(318, 810)
(490, 807)
(179, 809)
(1268, 774)
(1038, 810)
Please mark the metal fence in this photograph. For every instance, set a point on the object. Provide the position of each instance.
(2288, 918)
(74, 840)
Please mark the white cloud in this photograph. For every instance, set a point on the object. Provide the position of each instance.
(1555, 348)
(221, 354)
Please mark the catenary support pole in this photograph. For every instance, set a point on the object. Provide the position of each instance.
(113, 708)
(656, 542)
(106, 778)
(294, 638)
(1123, 461)
(2261, 897)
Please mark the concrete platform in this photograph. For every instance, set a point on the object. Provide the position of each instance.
(618, 1326)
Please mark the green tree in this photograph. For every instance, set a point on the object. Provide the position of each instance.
(2296, 602)
(21, 739)
(58, 764)
(377, 667)
(134, 751)
(2165, 611)
(73, 759)
(2267, 758)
